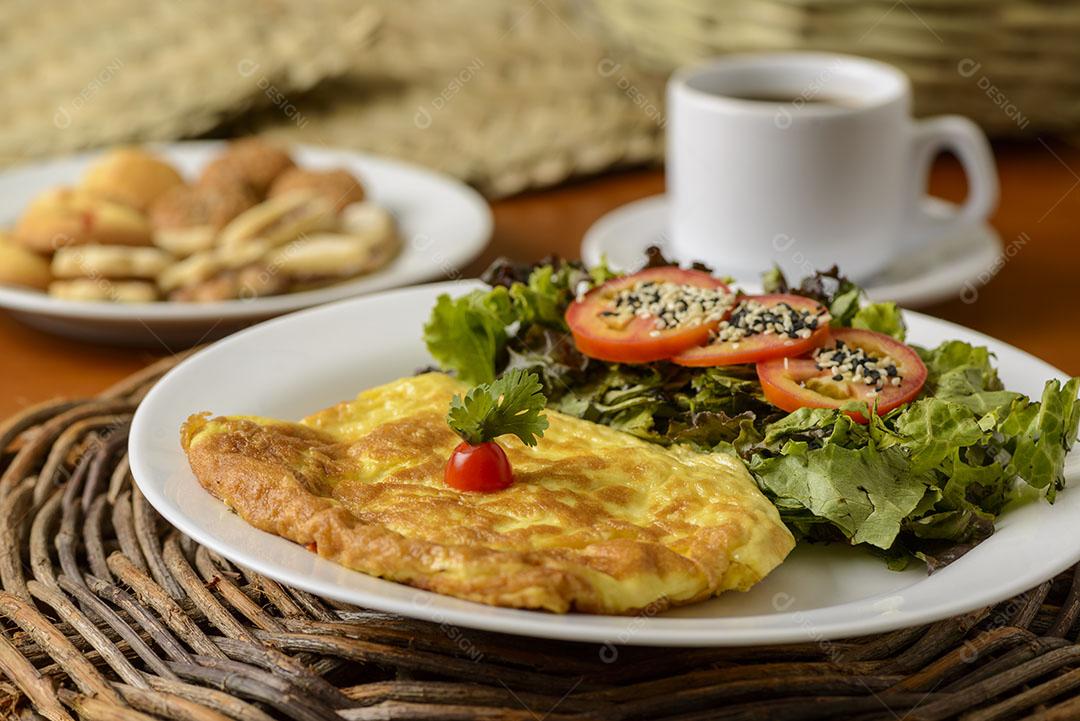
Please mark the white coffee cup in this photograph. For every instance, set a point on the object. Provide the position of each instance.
(828, 168)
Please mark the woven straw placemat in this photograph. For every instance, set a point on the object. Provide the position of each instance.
(85, 74)
(1008, 64)
(506, 95)
(108, 613)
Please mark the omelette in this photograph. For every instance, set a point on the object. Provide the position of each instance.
(596, 521)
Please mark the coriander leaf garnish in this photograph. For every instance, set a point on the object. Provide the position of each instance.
(512, 404)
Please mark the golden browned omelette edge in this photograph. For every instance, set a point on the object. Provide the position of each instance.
(597, 521)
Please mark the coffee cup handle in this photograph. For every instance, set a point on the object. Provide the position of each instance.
(967, 141)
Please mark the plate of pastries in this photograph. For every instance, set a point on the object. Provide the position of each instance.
(180, 243)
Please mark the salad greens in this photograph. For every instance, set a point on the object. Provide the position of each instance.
(470, 334)
(923, 481)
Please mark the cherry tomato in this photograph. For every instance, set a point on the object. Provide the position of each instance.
(483, 468)
(793, 383)
(603, 331)
(762, 346)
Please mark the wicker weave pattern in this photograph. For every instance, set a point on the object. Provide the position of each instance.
(505, 95)
(80, 74)
(1009, 64)
(107, 613)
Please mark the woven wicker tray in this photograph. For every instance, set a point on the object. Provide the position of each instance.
(107, 613)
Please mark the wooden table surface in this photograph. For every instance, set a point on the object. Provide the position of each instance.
(1029, 303)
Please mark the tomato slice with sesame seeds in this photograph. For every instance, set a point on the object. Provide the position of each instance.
(648, 316)
(843, 371)
(761, 327)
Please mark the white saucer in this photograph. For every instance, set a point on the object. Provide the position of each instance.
(940, 271)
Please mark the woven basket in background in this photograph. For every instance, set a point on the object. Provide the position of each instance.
(504, 94)
(1008, 64)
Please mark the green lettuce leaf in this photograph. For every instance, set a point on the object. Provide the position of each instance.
(973, 487)
(1041, 435)
(959, 369)
(845, 306)
(882, 318)
(544, 297)
(732, 390)
(773, 281)
(932, 428)
(865, 493)
(551, 355)
(989, 406)
(957, 526)
(816, 426)
(467, 334)
(711, 430)
(628, 398)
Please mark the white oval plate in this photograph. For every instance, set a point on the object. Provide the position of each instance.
(292, 366)
(951, 266)
(444, 224)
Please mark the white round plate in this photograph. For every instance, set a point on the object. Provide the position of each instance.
(293, 366)
(444, 224)
(947, 268)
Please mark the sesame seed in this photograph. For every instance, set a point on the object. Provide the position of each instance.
(857, 366)
(671, 304)
(751, 317)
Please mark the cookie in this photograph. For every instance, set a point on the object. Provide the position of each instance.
(64, 216)
(222, 286)
(280, 219)
(188, 206)
(252, 161)
(253, 281)
(189, 271)
(182, 242)
(110, 261)
(260, 280)
(324, 255)
(241, 254)
(19, 266)
(131, 176)
(368, 219)
(99, 289)
(376, 224)
(339, 186)
(367, 242)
